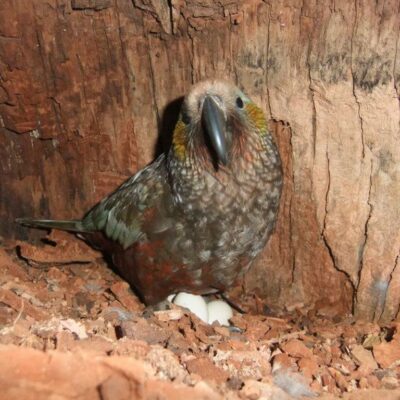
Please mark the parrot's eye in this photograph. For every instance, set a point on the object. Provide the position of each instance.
(185, 118)
(239, 102)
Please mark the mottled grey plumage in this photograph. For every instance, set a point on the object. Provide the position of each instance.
(196, 218)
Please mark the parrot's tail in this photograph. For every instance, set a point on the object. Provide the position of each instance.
(72, 225)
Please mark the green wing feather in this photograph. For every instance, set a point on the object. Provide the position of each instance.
(122, 215)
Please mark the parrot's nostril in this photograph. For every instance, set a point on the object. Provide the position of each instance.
(217, 99)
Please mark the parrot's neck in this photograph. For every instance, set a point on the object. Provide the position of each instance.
(198, 183)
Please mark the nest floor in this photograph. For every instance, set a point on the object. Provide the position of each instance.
(70, 328)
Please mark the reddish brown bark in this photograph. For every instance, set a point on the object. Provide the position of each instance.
(87, 87)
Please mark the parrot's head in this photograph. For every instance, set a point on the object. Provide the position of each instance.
(216, 121)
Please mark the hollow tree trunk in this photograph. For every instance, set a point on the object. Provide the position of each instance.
(86, 86)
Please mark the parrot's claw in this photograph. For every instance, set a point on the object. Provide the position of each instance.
(161, 306)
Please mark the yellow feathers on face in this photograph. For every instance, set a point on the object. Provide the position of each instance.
(257, 117)
(179, 140)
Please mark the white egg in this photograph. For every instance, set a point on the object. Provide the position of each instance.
(219, 310)
(194, 303)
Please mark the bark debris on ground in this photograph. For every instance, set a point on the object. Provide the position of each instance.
(71, 328)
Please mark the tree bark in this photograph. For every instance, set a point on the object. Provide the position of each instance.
(89, 92)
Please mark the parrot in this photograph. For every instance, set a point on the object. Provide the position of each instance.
(195, 218)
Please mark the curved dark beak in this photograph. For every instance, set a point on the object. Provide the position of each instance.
(214, 122)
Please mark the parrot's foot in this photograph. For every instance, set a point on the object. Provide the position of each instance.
(161, 306)
(234, 305)
(235, 329)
